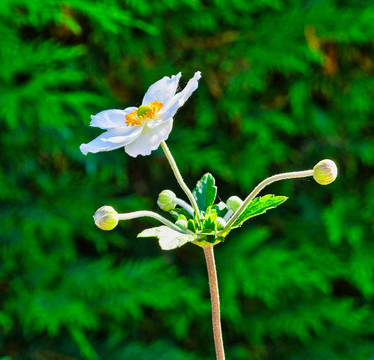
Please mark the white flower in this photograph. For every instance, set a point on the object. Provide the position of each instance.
(141, 130)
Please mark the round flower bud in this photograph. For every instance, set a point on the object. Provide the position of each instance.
(221, 223)
(106, 218)
(325, 172)
(234, 203)
(166, 200)
(182, 224)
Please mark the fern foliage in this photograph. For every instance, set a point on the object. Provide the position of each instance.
(285, 84)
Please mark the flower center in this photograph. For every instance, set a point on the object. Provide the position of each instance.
(143, 112)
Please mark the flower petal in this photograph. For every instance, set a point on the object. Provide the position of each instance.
(170, 108)
(110, 119)
(112, 139)
(162, 90)
(149, 139)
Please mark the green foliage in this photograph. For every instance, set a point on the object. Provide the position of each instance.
(285, 84)
(258, 206)
(205, 192)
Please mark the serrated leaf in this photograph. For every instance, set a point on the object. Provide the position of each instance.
(205, 192)
(258, 206)
(168, 239)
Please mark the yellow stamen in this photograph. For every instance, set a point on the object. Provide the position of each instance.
(143, 112)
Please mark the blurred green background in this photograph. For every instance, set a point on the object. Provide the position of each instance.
(285, 84)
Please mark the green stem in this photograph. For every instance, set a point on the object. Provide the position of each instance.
(260, 186)
(146, 213)
(179, 178)
(214, 295)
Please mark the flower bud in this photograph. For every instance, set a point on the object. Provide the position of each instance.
(325, 172)
(221, 223)
(106, 218)
(166, 200)
(234, 203)
(182, 224)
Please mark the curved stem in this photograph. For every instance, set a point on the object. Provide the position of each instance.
(146, 213)
(228, 215)
(179, 178)
(184, 205)
(261, 185)
(214, 295)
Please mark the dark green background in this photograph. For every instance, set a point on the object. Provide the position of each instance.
(285, 84)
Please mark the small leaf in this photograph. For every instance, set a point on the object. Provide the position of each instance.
(258, 206)
(205, 192)
(168, 238)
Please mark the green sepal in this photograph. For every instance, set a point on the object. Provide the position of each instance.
(258, 206)
(205, 192)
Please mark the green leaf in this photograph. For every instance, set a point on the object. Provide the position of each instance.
(205, 192)
(167, 238)
(258, 206)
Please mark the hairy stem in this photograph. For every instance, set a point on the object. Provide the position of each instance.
(261, 185)
(178, 176)
(214, 295)
(184, 205)
(146, 213)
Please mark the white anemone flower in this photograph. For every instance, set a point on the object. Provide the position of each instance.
(141, 130)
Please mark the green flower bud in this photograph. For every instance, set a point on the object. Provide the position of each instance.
(325, 172)
(106, 218)
(182, 224)
(234, 203)
(144, 110)
(221, 223)
(182, 217)
(166, 200)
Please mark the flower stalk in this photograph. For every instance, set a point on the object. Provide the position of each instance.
(260, 186)
(214, 295)
(179, 178)
(184, 205)
(146, 213)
